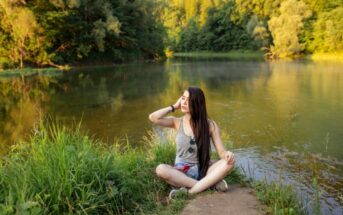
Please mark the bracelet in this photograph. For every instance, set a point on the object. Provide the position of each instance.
(172, 108)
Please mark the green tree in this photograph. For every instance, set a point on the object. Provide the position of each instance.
(192, 8)
(257, 29)
(51, 32)
(286, 27)
(328, 31)
(205, 5)
(21, 31)
(218, 33)
(188, 37)
(260, 8)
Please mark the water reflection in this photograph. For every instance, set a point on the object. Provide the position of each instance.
(112, 102)
(21, 106)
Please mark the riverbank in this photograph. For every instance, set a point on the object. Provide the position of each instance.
(232, 55)
(329, 57)
(255, 55)
(63, 171)
(52, 71)
(7, 74)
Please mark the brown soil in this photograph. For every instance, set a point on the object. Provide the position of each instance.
(237, 200)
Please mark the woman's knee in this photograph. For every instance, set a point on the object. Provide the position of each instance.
(162, 171)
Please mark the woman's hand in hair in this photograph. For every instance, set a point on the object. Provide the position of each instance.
(229, 157)
(177, 104)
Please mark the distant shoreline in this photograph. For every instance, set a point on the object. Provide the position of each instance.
(234, 55)
(258, 55)
(230, 55)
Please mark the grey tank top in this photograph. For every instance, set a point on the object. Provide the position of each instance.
(186, 147)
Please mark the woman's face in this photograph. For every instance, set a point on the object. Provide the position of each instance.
(184, 102)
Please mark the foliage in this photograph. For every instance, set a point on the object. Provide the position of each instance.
(54, 32)
(201, 25)
(280, 199)
(257, 29)
(327, 32)
(217, 33)
(286, 27)
(261, 8)
(20, 34)
(60, 172)
(188, 37)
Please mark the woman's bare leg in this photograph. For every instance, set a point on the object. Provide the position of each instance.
(215, 173)
(174, 177)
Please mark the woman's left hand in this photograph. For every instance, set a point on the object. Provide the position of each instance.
(229, 157)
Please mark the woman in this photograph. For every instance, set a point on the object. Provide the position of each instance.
(193, 168)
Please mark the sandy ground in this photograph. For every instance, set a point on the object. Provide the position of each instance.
(237, 200)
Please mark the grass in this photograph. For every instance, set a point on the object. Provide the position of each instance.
(234, 55)
(278, 199)
(62, 171)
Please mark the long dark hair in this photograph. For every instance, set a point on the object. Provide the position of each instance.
(200, 127)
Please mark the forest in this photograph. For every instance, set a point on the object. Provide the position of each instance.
(51, 33)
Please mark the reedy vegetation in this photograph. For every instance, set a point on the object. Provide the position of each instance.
(62, 171)
(59, 171)
(279, 199)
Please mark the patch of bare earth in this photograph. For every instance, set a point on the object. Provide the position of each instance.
(237, 200)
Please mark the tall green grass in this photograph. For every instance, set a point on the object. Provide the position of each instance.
(64, 172)
(278, 199)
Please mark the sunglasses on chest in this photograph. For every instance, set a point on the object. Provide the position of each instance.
(192, 141)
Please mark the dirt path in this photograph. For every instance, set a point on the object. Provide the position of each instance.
(238, 200)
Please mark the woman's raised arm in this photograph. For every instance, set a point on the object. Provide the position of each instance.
(159, 117)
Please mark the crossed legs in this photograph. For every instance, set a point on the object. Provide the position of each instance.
(215, 173)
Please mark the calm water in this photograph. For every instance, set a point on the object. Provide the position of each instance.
(284, 120)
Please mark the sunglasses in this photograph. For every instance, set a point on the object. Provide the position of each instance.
(192, 141)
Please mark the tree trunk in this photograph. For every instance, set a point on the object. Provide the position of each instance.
(21, 55)
(21, 59)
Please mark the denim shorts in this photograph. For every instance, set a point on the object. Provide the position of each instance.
(191, 170)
